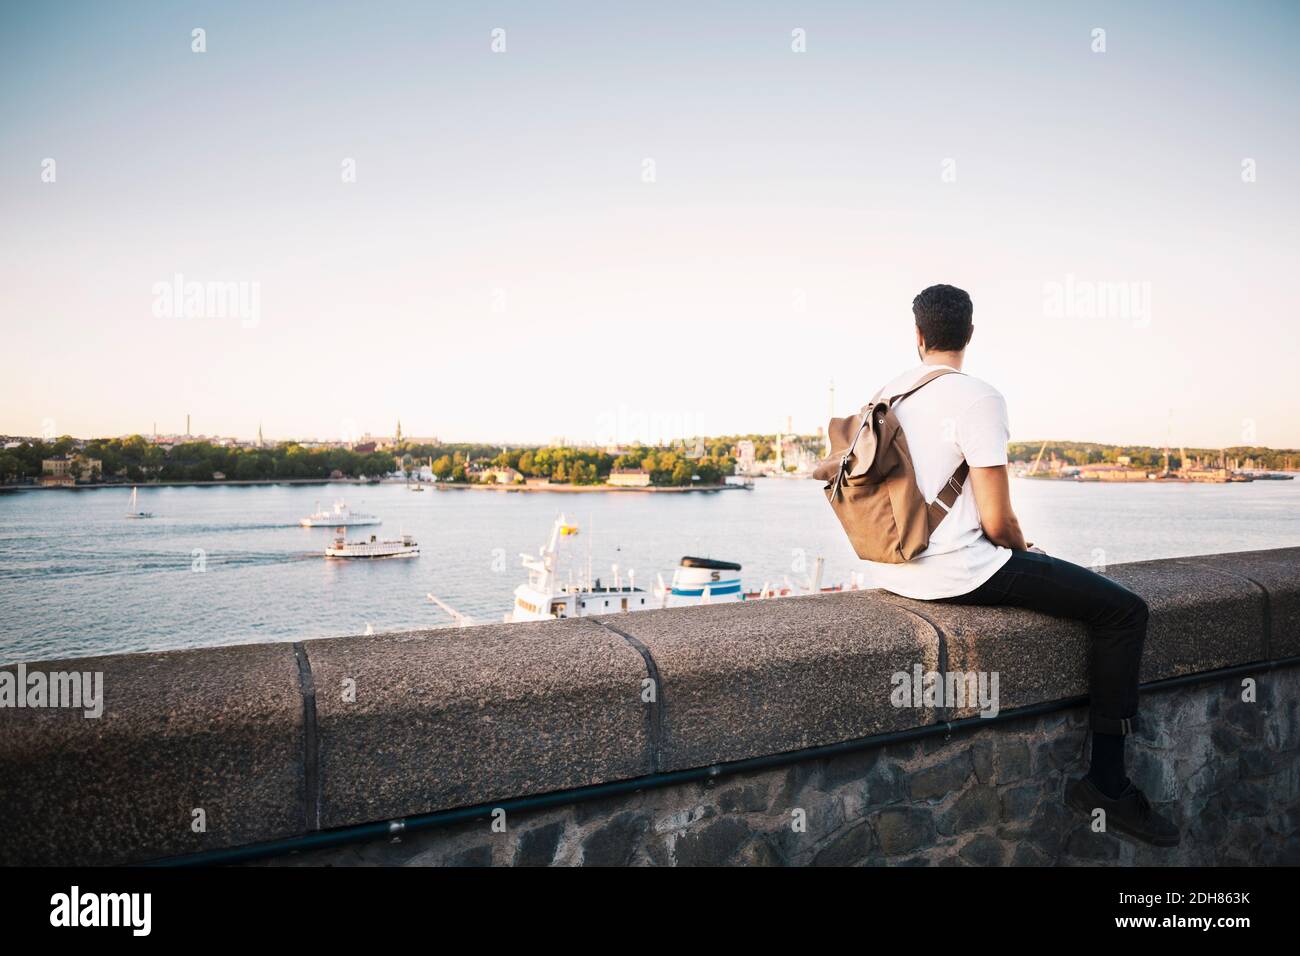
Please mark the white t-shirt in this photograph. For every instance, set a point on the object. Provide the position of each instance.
(955, 416)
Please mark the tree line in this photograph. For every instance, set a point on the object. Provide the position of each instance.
(136, 459)
(1149, 457)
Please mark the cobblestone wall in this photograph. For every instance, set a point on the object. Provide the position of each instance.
(1227, 768)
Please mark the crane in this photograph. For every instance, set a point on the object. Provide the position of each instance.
(1034, 467)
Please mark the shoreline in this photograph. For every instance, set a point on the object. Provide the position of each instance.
(572, 489)
(185, 484)
(434, 486)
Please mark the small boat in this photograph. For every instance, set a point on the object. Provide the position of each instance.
(701, 581)
(133, 509)
(415, 487)
(403, 547)
(340, 517)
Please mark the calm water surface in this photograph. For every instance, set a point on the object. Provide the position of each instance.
(77, 578)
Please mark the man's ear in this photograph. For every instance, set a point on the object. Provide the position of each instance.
(970, 335)
(920, 340)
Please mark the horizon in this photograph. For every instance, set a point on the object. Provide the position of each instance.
(581, 444)
(625, 224)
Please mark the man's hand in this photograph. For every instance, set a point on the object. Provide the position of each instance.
(992, 491)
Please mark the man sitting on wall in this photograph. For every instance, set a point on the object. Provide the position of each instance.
(978, 555)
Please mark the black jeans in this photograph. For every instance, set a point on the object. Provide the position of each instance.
(1116, 619)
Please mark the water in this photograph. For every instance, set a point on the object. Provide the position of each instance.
(77, 578)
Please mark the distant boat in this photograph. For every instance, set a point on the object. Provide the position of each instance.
(403, 547)
(133, 509)
(341, 516)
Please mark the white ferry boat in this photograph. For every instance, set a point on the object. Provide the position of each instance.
(695, 581)
(340, 517)
(133, 509)
(403, 547)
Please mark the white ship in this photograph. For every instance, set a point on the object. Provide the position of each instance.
(133, 509)
(340, 517)
(545, 596)
(695, 581)
(403, 547)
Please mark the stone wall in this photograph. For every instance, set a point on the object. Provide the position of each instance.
(1228, 771)
(266, 743)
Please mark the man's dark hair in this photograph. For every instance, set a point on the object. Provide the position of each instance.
(943, 315)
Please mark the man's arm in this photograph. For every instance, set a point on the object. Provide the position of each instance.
(993, 498)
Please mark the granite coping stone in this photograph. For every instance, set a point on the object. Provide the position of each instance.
(216, 729)
(455, 717)
(744, 680)
(1201, 620)
(1278, 573)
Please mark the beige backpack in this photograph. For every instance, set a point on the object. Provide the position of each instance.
(871, 484)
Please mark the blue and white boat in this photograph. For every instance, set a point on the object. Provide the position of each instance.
(701, 581)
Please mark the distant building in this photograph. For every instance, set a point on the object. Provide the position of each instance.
(493, 475)
(65, 471)
(629, 477)
(745, 457)
(1108, 472)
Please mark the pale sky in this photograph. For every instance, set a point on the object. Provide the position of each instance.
(501, 270)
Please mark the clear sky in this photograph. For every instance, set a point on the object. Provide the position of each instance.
(501, 270)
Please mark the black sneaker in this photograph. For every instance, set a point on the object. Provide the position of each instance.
(1130, 813)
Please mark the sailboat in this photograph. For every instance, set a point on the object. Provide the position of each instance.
(133, 509)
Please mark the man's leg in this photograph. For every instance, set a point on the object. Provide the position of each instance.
(1116, 619)
(1117, 623)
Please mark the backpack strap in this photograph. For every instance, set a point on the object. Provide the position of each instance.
(926, 379)
(938, 509)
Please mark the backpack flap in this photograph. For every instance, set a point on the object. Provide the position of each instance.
(853, 449)
(871, 452)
